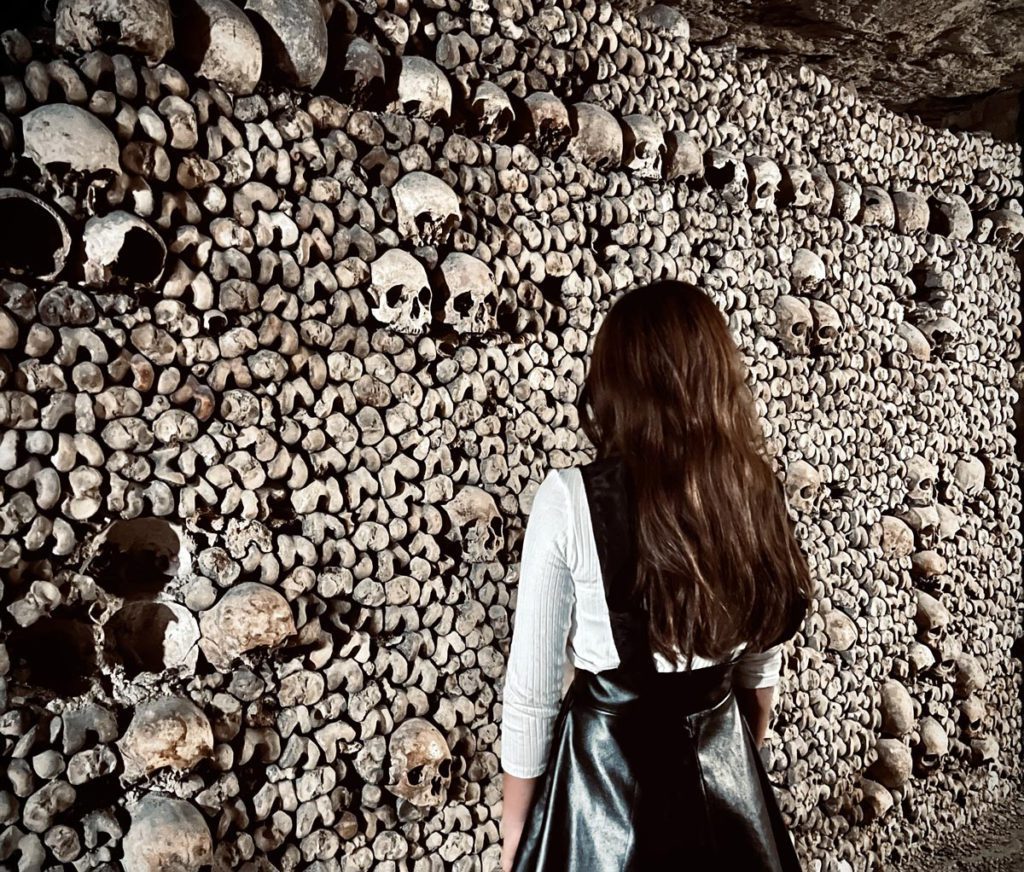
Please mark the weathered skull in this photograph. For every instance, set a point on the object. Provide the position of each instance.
(145, 26)
(35, 240)
(984, 750)
(548, 121)
(357, 70)
(876, 208)
(294, 38)
(153, 636)
(972, 716)
(932, 619)
(969, 474)
(683, 156)
(921, 478)
(827, 325)
(666, 21)
(250, 615)
(428, 209)
(949, 521)
(894, 764)
(846, 203)
(950, 215)
(824, 191)
(764, 178)
(643, 146)
(924, 520)
(897, 708)
(969, 675)
(726, 173)
(402, 291)
(219, 43)
(918, 345)
(793, 323)
(597, 137)
(948, 652)
(1007, 229)
(802, 485)
(808, 269)
(120, 250)
(934, 745)
(911, 209)
(423, 89)
(166, 834)
(877, 799)
(941, 331)
(797, 186)
(472, 301)
(421, 763)
(476, 524)
(492, 110)
(897, 538)
(168, 731)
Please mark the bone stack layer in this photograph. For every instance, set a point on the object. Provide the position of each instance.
(295, 311)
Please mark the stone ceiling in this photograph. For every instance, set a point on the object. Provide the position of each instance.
(953, 63)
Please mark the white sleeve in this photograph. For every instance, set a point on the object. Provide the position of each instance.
(534, 674)
(759, 668)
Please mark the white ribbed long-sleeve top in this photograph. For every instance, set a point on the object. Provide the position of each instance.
(561, 622)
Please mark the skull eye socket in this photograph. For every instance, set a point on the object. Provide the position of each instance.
(462, 303)
(424, 295)
(416, 775)
(799, 328)
(393, 295)
(445, 768)
(806, 492)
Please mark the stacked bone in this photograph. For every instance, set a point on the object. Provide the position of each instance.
(296, 308)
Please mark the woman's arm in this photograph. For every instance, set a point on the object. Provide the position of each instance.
(516, 796)
(756, 706)
(755, 680)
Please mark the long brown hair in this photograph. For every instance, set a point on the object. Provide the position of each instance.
(718, 563)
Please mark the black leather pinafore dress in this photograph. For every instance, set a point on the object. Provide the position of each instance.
(648, 770)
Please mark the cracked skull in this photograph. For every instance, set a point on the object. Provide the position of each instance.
(421, 763)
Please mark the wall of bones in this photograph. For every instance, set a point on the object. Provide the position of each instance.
(296, 303)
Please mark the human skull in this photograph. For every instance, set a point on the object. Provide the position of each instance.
(911, 210)
(357, 71)
(683, 156)
(665, 21)
(548, 121)
(428, 209)
(918, 345)
(250, 615)
(802, 485)
(492, 110)
(35, 240)
(219, 42)
(950, 215)
(846, 202)
(122, 250)
(421, 763)
(894, 764)
(947, 653)
(726, 173)
(984, 750)
(423, 89)
(827, 325)
(921, 479)
(476, 524)
(972, 716)
(924, 521)
(764, 177)
(876, 208)
(168, 731)
(969, 675)
(472, 296)
(897, 537)
(941, 332)
(597, 137)
(877, 799)
(824, 191)
(933, 746)
(793, 323)
(643, 146)
(797, 186)
(294, 38)
(144, 26)
(897, 708)
(932, 619)
(402, 291)
(969, 475)
(1007, 229)
(808, 270)
(166, 834)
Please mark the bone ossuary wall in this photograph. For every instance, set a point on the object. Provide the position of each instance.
(296, 307)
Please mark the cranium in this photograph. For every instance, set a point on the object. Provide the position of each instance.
(918, 345)
(824, 191)
(643, 146)
(802, 485)
(793, 323)
(35, 240)
(897, 537)
(423, 89)
(1007, 229)
(877, 799)
(933, 746)
(357, 71)
(476, 524)
(969, 474)
(421, 763)
(876, 208)
(666, 21)
(924, 520)
(145, 26)
(166, 834)
(168, 731)
(846, 203)
(428, 209)
(950, 215)
(682, 155)
(797, 186)
(294, 37)
(764, 178)
(472, 296)
(153, 636)
(250, 615)
(401, 290)
(122, 249)
(893, 765)
(548, 121)
(932, 619)
(972, 715)
(969, 675)
(984, 750)
(921, 478)
(726, 173)
(911, 210)
(492, 110)
(827, 325)
(597, 137)
(897, 708)
(948, 652)
(219, 43)
(941, 331)
(808, 269)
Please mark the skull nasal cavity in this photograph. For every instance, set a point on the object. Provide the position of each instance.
(137, 558)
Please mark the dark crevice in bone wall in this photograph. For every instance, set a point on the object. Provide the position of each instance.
(293, 322)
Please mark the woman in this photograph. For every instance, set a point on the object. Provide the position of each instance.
(665, 575)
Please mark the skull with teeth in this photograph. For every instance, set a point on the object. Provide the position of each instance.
(421, 763)
(400, 286)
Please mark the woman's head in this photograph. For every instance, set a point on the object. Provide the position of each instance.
(666, 391)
